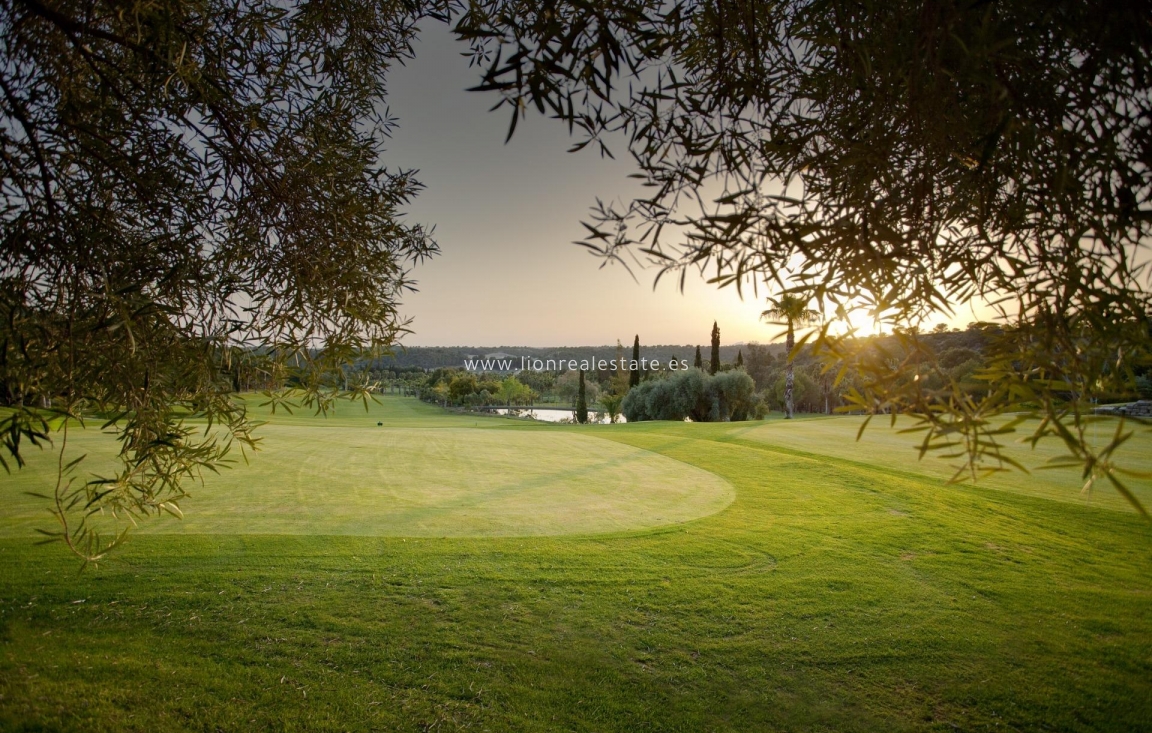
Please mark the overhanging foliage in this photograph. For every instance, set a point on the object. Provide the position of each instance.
(192, 199)
(894, 157)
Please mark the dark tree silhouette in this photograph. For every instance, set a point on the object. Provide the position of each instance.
(714, 364)
(581, 402)
(634, 372)
(191, 192)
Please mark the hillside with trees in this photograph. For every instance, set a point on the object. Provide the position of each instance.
(737, 391)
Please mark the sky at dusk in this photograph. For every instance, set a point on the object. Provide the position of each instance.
(506, 217)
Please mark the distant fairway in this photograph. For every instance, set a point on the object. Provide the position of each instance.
(887, 448)
(369, 480)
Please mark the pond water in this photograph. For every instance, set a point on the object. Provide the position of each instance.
(555, 414)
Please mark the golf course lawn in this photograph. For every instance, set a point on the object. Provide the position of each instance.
(451, 572)
(884, 445)
(420, 482)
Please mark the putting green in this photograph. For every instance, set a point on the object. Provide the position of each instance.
(416, 482)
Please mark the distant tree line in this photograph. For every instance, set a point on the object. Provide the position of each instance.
(749, 384)
(434, 357)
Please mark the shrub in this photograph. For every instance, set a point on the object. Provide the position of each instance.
(611, 404)
(635, 403)
(760, 407)
(732, 393)
(691, 395)
(694, 394)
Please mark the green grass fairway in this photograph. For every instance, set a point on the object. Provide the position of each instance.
(344, 582)
(886, 446)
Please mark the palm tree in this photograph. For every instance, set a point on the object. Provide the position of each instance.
(790, 310)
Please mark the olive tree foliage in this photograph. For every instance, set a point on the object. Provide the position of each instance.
(692, 394)
(192, 193)
(895, 157)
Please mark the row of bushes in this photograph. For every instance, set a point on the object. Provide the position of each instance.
(696, 395)
(451, 386)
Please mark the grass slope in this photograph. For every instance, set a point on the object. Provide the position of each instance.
(880, 444)
(830, 595)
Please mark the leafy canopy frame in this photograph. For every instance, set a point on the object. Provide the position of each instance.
(894, 157)
(192, 200)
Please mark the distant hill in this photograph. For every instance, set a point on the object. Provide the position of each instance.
(432, 357)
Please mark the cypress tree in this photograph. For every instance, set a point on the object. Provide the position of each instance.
(699, 360)
(581, 402)
(714, 365)
(740, 359)
(634, 377)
